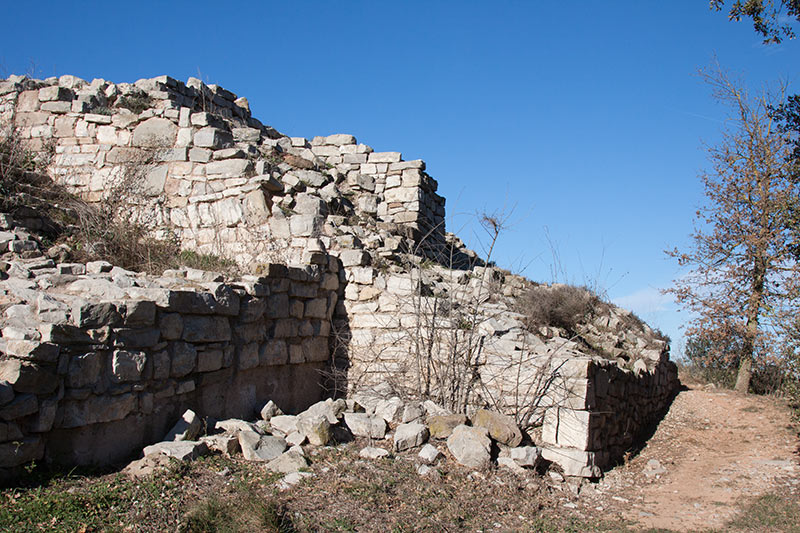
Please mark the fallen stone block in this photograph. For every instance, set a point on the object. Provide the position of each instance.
(430, 453)
(257, 447)
(186, 450)
(372, 452)
(364, 425)
(470, 446)
(287, 463)
(187, 428)
(442, 426)
(502, 428)
(410, 435)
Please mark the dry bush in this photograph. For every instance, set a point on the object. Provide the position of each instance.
(118, 228)
(560, 306)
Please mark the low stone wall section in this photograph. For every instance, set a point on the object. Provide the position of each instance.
(598, 410)
(104, 363)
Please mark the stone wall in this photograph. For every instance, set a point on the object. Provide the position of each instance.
(103, 363)
(599, 409)
(364, 225)
(215, 177)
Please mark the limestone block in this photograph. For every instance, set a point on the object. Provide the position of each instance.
(84, 370)
(186, 450)
(27, 376)
(273, 352)
(411, 435)
(209, 360)
(188, 427)
(371, 452)
(57, 107)
(364, 425)
(246, 135)
(442, 426)
(470, 446)
(184, 358)
(227, 444)
(403, 194)
(41, 352)
(215, 138)
(136, 337)
(577, 463)
(315, 349)
(430, 454)
(368, 203)
(27, 101)
(139, 313)
(22, 405)
(288, 462)
(360, 275)
(384, 157)
(305, 225)
(502, 428)
(390, 409)
(200, 155)
(340, 139)
(127, 365)
(568, 427)
(203, 119)
(527, 456)
(198, 328)
(154, 132)
(54, 92)
(171, 325)
(229, 168)
(316, 308)
(97, 409)
(90, 315)
(248, 356)
(6, 393)
(317, 429)
(283, 424)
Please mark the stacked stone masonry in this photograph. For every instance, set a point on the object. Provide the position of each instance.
(348, 218)
(105, 360)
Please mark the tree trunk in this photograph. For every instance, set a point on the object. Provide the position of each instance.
(744, 374)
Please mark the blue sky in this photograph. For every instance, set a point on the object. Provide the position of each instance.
(586, 118)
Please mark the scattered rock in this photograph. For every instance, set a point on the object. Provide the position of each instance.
(187, 428)
(502, 428)
(364, 425)
(442, 426)
(408, 436)
(371, 452)
(470, 446)
(257, 447)
(288, 462)
(185, 450)
(430, 453)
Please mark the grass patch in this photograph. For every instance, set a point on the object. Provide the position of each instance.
(770, 512)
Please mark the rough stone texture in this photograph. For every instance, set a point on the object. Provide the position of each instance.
(184, 450)
(442, 426)
(257, 447)
(430, 453)
(287, 463)
(364, 425)
(228, 185)
(371, 452)
(409, 435)
(470, 446)
(187, 428)
(501, 428)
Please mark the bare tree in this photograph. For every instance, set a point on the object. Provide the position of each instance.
(744, 275)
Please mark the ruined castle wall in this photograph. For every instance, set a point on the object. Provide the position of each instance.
(599, 409)
(224, 183)
(104, 363)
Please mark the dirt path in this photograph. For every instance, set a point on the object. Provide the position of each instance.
(712, 451)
